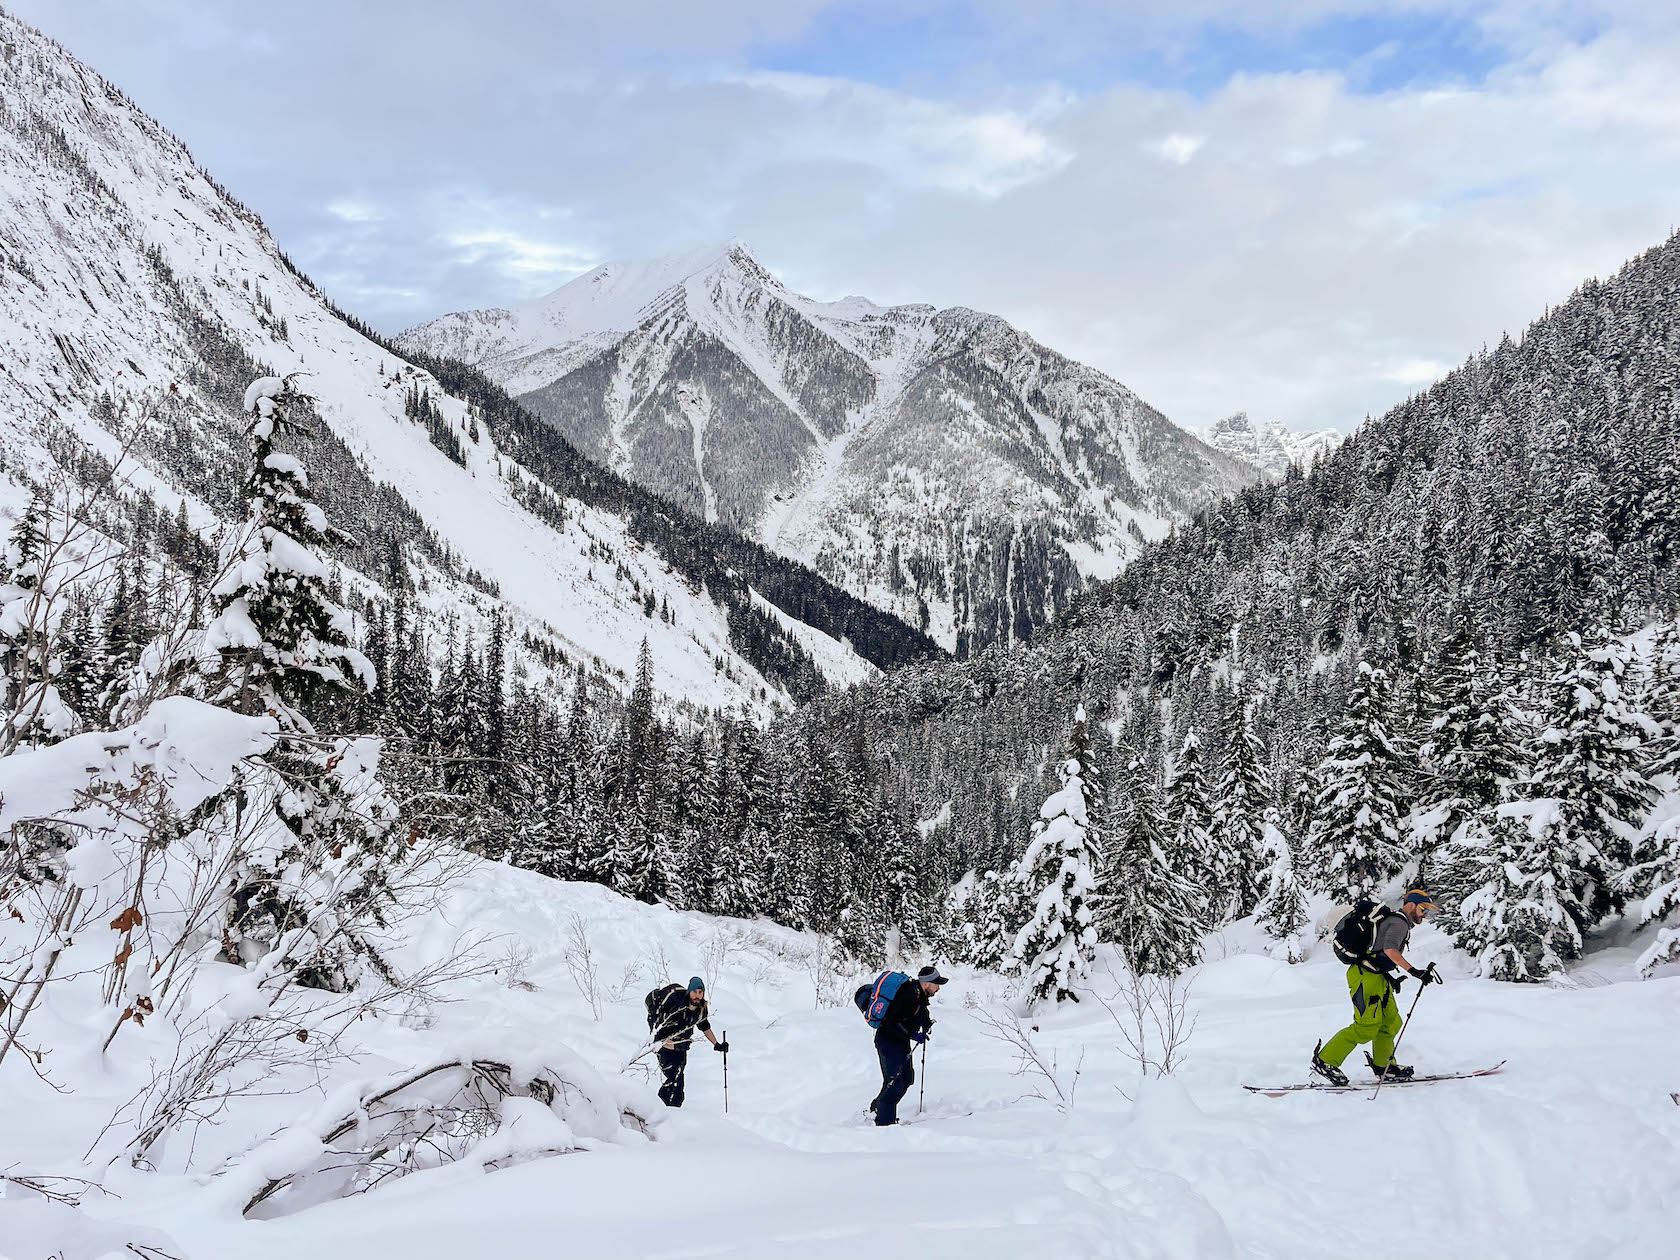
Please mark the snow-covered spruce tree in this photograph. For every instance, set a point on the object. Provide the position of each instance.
(1189, 838)
(1241, 799)
(1474, 746)
(318, 887)
(277, 636)
(997, 911)
(1056, 875)
(1282, 908)
(902, 902)
(642, 858)
(1152, 909)
(1354, 845)
(1589, 757)
(1458, 868)
(1655, 878)
(32, 608)
(1525, 921)
(736, 875)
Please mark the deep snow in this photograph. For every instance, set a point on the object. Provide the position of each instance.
(1573, 1151)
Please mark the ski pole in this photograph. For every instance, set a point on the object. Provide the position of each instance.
(726, 1071)
(1383, 1075)
(921, 1087)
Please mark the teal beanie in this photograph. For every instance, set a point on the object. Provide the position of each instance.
(695, 982)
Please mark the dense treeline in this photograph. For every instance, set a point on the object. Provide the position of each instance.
(1531, 494)
(484, 745)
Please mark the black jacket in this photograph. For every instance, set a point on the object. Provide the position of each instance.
(674, 1018)
(907, 1014)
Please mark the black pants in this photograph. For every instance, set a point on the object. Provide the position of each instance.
(673, 1063)
(898, 1074)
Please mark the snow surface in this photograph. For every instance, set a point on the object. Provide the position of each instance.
(1573, 1151)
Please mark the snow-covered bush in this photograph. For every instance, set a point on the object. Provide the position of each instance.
(478, 1110)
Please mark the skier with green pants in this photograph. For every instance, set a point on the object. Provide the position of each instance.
(1373, 981)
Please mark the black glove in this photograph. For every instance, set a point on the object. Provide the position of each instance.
(1395, 981)
(918, 1037)
(722, 1047)
(1432, 976)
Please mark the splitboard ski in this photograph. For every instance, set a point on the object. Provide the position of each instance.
(1278, 1091)
(866, 1120)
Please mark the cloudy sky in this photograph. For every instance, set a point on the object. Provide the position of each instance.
(1301, 208)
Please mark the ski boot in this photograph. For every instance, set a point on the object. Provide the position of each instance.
(1328, 1071)
(1393, 1072)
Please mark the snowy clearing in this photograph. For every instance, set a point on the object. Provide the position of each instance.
(1573, 1151)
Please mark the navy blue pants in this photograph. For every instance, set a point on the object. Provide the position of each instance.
(672, 1063)
(897, 1076)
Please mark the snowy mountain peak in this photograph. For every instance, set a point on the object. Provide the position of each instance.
(1272, 448)
(613, 295)
(938, 463)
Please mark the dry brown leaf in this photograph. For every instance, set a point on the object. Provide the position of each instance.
(127, 921)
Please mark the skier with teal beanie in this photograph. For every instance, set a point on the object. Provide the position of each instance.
(673, 1014)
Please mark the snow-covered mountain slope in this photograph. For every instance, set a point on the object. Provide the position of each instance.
(1574, 1150)
(1272, 448)
(130, 282)
(940, 463)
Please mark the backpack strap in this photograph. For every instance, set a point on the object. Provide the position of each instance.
(1379, 963)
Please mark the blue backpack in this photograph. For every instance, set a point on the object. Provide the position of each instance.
(873, 999)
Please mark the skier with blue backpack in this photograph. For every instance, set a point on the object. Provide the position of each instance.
(897, 1009)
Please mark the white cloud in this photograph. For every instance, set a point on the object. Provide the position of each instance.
(913, 140)
(352, 211)
(1412, 371)
(1331, 251)
(523, 259)
(1179, 148)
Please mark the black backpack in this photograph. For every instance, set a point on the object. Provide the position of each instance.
(1355, 936)
(655, 999)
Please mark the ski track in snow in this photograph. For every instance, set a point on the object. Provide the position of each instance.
(1574, 1150)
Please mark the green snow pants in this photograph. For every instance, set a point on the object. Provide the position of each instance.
(1376, 1019)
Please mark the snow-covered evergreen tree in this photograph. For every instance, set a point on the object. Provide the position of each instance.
(1474, 746)
(1152, 909)
(1241, 799)
(1282, 908)
(1590, 758)
(31, 612)
(1655, 879)
(1525, 921)
(901, 883)
(277, 635)
(1189, 837)
(1355, 845)
(314, 887)
(1057, 879)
